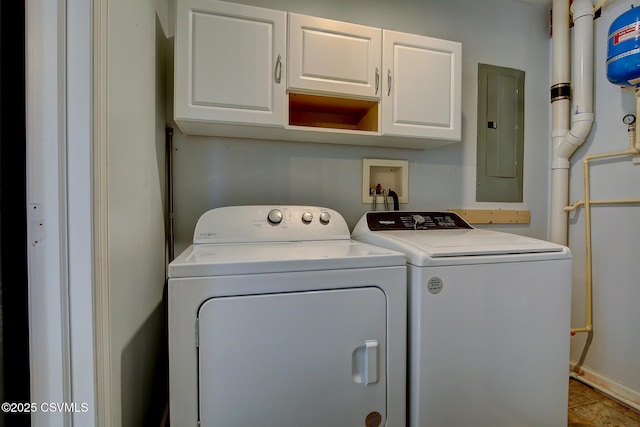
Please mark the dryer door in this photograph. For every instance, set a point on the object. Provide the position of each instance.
(297, 359)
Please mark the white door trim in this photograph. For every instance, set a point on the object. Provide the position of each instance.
(79, 81)
(101, 214)
(46, 205)
(59, 203)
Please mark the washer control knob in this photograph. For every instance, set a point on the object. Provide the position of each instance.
(325, 217)
(307, 217)
(419, 219)
(274, 217)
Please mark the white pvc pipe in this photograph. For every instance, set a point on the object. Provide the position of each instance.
(566, 141)
(583, 56)
(560, 119)
(559, 199)
(561, 72)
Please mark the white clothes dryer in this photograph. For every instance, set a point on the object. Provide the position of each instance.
(489, 321)
(277, 318)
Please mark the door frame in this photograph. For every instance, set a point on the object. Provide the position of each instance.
(60, 96)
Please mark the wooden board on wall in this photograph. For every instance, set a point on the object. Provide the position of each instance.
(494, 216)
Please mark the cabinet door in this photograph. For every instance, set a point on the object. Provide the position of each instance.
(332, 56)
(422, 86)
(229, 63)
(313, 359)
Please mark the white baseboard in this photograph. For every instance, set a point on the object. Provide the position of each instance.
(611, 388)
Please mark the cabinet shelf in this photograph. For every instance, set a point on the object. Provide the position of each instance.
(332, 112)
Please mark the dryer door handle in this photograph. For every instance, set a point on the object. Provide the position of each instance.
(371, 362)
(365, 363)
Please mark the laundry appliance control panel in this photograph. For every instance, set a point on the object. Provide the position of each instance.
(418, 220)
(284, 223)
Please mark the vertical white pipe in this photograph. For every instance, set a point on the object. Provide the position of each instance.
(559, 199)
(582, 58)
(582, 110)
(560, 42)
(560, 120)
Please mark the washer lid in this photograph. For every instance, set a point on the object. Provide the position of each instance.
(453, 242)
(280, 257)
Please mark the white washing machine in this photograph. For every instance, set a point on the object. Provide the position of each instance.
(277, 318)
(489, 321)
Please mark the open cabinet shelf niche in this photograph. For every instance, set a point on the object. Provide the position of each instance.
(333, 113)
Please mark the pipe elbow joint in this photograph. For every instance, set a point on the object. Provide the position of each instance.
(566, 148)
(581, 8)
(582, 119)
(580, 127)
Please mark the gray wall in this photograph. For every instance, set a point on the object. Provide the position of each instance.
(137, 97)
(613, 352)
(213, 172)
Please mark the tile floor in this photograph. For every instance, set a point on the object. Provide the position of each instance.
(590, 408)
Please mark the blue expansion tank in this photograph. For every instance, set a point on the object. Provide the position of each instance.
(623, 49)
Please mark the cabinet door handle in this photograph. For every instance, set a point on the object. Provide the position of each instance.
(377, 80)
(388, 82)
(278, 70)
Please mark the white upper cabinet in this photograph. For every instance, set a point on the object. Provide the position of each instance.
(230, 65)
(249, 72)
(422, 87)
(335, 57)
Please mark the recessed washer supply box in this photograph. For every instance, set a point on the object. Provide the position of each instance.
(390, 174)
